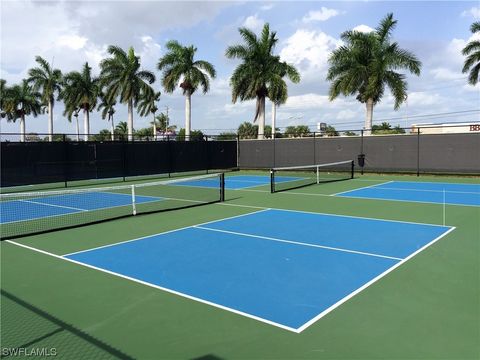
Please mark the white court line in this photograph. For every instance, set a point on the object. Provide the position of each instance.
(405, 201)
(238, 312)
(53, 205)
(326, 214)
(363, 187)
(355, 197)
(298, 243)
(366, 285)
(164, 232)
(420, 190)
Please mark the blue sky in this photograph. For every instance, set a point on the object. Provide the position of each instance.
(71, 32)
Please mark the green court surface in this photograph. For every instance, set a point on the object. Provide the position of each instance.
(428, 308)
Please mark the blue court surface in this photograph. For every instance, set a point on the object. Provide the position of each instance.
(238, 182)
(454, 194)
(285, 268)
(56, 205)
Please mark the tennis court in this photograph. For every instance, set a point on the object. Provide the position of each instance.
(320, 268)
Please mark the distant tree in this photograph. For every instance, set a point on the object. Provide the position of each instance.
(297, 131)
(58, 137)
(227, 136)
(349, 133)
(385, 128)
(247, 130)
(472, 52)
(30, 137)
(147, 105)
(194, 135)
(144, 133)
(103, 135)
(121, 130)
(331, 131)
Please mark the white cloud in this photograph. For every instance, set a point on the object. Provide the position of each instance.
(442, 73)
(321, 15)
(74, 42)
(309, 52)
(423, 99)
(474, 12)
(346, 114)
(363, 28)
(253, 22)
(266, 7)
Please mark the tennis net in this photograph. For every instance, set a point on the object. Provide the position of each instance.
(293, 177)
(29, 213)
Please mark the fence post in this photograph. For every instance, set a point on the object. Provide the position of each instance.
(124, 153)
(314, 148)
(65, 161)
(274, 149)
(361, 148)
(418, 151)
(238, 151)
(169, 155)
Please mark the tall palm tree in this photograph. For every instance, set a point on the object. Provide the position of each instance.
(162, 120)
(258, 71)
(107, 106)
(278, 91)
(367, 63)
(178, 66)
(47, 80)
(147, 106)
(122, 76)
(472, 52)
(20, 101)
(81, 90)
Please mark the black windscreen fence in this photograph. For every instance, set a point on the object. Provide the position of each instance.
(412, 153)
(28, 163)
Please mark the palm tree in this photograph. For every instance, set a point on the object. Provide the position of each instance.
(147, 106)
(367, 63)
(278, 92)
(122, 76)
(107, 106)
(48, 81)
(179, 66)
(472, 52)
(20, 101)
(122, 130)
(81, 90)
(259, 71)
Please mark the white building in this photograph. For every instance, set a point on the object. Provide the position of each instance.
(447, 128)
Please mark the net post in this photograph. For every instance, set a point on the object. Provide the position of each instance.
(318, 174)
(272, 181)
(134, 207)
(353, 170)
(222, 187)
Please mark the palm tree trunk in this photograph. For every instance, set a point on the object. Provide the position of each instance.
(130, 120)
(50, 120)
(112, 128)
(86, 124)
(154, 128)
(22, 128)
(78, 128)
(368, 119)
(188, 117)
(261, 117)
(274, 115)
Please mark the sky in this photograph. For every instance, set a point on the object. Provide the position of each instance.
(70, 33)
